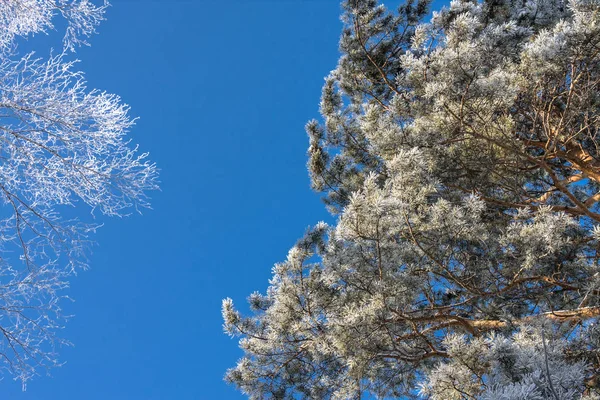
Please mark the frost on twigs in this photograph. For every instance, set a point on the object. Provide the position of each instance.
(62, 145)
(22, 18)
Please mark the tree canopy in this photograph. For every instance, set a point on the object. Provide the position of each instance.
(460, 157)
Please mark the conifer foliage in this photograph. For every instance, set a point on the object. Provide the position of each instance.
(460, 156)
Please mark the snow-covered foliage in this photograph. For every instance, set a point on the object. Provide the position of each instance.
(460, 156)
(28, 17)
(61, 145)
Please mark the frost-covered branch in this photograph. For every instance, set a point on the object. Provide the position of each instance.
(22, 18)
(62, 145)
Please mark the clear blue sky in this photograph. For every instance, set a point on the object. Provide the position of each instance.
(223, 90)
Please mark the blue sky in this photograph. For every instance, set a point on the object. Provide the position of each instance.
(223, 90)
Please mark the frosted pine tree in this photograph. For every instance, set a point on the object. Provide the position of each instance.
(460, 156)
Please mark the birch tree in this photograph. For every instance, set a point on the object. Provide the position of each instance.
(62, 145)
(460, 157)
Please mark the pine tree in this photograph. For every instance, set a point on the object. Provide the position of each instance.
(461, 159)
